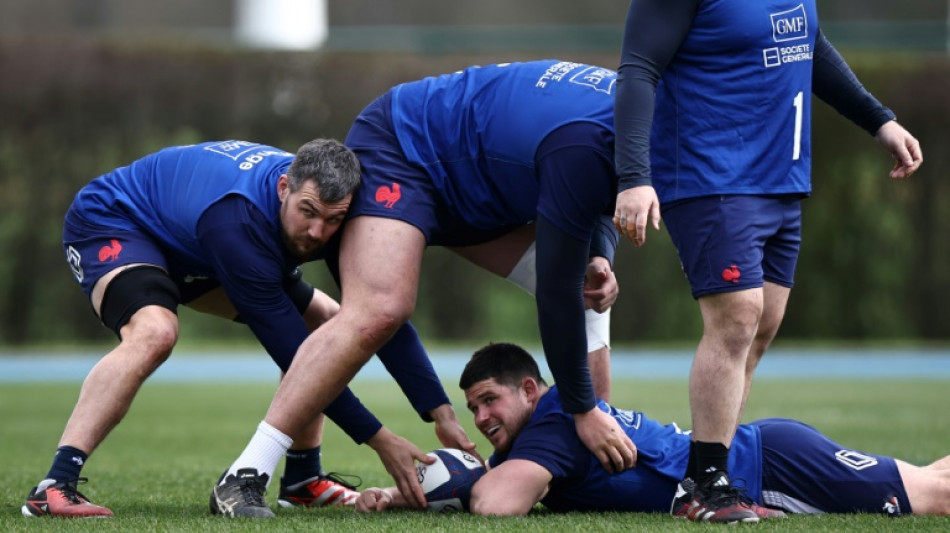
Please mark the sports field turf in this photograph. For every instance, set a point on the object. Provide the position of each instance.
(157, 468)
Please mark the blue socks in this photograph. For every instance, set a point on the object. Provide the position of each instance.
(302, 465)
(67, 464)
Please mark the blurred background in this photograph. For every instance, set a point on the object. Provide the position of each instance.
(89, 85)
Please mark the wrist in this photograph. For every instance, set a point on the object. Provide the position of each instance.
(379, 438)
(443, 413)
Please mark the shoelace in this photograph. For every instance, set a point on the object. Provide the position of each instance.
(337, 477)
(68, 488)
(252, 491)
(736, 490)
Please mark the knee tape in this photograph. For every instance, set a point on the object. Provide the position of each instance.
(134, 289)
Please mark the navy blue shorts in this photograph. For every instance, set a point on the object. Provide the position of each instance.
(92, 250)
(394, 188)
(731, 243)
(804, 471)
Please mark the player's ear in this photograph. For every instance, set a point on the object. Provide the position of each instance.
(530, 388)
(283, 187)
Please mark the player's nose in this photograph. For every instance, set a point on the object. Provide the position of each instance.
(317, 230)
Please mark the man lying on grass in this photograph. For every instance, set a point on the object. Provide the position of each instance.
(785, 464)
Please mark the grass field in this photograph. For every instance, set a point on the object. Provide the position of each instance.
(157, 468)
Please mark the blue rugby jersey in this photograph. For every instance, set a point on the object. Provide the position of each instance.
(167, 195)
(733, 103)
(476, 133)
(167, 192)
(581, 483)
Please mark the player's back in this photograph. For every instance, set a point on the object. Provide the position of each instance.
(165, 193)
(476, 131)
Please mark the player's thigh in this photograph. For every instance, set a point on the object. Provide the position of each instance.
(380, 260)
(804, 471)
(97, 255)
(500, 255)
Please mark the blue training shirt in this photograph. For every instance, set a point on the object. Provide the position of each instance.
(731, 113)
(476, 133)
(733, 109)
(214, 210)
(581, 483)
(515, 143)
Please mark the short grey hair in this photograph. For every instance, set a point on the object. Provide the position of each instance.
(333, 167)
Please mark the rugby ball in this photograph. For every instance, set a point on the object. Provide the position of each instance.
(448, 481)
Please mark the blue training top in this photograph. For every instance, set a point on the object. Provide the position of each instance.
(733, 83)
(515, 143)
(214, 210)
(580, 482)
(476, 133)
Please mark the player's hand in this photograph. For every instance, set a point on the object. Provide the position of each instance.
(603, 436)
(903, 147)
(600, 285)
(398, 456)
(450, 431)
(373, 500)
(636, 207)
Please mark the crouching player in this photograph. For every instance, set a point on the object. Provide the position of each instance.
(785, 464)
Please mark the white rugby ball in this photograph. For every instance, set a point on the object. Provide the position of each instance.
(448, 481)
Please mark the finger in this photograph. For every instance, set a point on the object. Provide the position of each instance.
(655, 215)
(641, 228)
(630, 455)
(475, 454)
(412, 491)
(617, 459)
(605, 461)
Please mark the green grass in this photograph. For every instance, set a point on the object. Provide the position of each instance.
(156, 470)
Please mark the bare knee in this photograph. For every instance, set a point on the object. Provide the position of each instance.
(378, 322)
(151, 334)
(732, 321)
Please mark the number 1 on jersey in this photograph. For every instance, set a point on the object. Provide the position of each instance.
(798, 102)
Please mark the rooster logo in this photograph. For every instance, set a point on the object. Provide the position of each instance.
(731, 274)
(388, 197)
(110, 252)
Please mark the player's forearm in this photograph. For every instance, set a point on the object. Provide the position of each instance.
(406, 360)
(835, 83)
(561, 262)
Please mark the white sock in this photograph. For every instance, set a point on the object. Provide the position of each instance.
(266, 449)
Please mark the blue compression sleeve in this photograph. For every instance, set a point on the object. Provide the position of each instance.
(834, 82)
(561, 264)
(233, 233)
(407, 362)
(653, 32)
(604, 241)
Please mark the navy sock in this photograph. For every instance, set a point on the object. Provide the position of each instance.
(711, 458)
(67, 463)
(302, 465)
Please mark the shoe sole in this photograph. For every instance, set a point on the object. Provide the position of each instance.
(26, 511)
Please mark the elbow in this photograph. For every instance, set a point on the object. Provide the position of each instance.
(485, 505)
